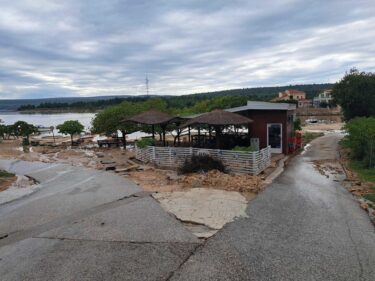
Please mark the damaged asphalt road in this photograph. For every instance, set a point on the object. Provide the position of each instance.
(85, 224)
(304, 226)
(91, 225)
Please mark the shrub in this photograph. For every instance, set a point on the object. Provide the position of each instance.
(201, 163)
(250, 148)
(145, 142)
(5, 174)
(25, 142)
(361, 140)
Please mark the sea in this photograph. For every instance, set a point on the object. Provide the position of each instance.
(54, 119)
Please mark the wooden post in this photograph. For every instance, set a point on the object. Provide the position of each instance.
(199, 136)
(248, 132)
(153, 131)
(218, 135)
(163, 127)
(189, 135)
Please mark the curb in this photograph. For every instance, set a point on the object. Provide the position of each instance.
(277, 172)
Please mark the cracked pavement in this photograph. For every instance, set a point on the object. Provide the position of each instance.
(86, 224)
(92, 225)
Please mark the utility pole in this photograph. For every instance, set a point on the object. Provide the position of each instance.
(147, 90)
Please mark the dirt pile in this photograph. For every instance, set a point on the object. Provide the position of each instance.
(155, 180)
(6, 182)
(218, 180)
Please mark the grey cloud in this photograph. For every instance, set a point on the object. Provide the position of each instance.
(54, 48)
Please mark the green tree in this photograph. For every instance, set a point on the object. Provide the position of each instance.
(71, 128)
(24, 129)
(361, 139)
(356, 94)
(3, 131)
(111, 120)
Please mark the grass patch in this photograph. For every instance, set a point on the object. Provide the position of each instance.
(144, 142)
(309, 136)
(370, 197)
(245, 149)
(5, 174)
(364, 173)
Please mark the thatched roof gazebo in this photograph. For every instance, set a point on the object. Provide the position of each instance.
(154, 118)
(217, 119)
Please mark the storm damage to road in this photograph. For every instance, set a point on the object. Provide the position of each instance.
(84, 224)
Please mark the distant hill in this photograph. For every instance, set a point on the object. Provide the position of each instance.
(310, 89)
(11, 105)
(259, 93)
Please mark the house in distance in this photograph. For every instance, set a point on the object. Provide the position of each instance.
(299, 97)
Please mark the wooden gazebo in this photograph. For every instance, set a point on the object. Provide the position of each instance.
(154, 118)
(218, 119)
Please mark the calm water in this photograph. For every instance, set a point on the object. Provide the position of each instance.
(47, 120)
(54, 119)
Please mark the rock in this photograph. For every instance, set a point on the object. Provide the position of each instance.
(100, 154)
(173, 177)
(358, 183)
(364, 206)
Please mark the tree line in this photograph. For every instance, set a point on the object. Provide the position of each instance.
(355, 93)
(25, 130)
(187, 103)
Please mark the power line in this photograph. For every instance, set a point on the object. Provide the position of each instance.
(147, 89)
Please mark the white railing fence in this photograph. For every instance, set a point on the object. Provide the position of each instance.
(235, 161)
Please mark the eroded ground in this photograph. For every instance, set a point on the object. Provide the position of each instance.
(167, 183)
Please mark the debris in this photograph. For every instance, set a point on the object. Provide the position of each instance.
(104, 162)
(99, 154)
(110, 168)
(127, 169)
(364, 206)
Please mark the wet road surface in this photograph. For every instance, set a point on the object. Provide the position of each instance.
(304, 226)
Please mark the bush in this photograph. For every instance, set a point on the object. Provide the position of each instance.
(145, 142)
(5, 174)
(250, 148)
(25, 142)
(361, 140)
(201, 163)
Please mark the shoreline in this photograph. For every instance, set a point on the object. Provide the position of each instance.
(56, 111)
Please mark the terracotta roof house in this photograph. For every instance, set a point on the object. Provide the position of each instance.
(273, 123)
(290, 94)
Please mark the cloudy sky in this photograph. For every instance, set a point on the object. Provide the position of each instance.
(87, 48)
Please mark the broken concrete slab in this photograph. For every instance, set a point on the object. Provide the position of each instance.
(142, 220)
(54, 259)
(63, 195)
(209, 207)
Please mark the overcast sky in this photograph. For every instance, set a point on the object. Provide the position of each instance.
(88, 48)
